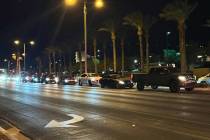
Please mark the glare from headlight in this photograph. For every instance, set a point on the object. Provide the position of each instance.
(182, 78)
(3, 77)
(56, 79)
(121, 82)
(36, 79)
(66, 81)
(27, 78)
(47, 79)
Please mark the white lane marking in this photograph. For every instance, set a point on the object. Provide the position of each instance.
(65, 124)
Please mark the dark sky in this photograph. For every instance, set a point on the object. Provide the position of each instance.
(48, 22)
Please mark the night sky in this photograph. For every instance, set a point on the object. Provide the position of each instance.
(49, 22)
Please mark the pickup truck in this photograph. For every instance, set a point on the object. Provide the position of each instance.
(164, 76)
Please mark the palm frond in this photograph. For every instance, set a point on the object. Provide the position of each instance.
(178, 10)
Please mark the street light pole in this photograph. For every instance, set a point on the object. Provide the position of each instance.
(98, 4)
(85, 33)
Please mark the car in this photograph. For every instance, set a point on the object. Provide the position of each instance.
(165, 76)
(204, 81)
(51, 79)
(68, 80)
(116, 81)
(89, 79)
(36, 78)
(25, 77)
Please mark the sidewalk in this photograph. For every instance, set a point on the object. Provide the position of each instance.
(3, 137)
(9, 132)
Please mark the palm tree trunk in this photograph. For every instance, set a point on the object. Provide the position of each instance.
(94, 47)
(49, 59)
(123, 56)
(182, 47)
(114, 52)
(80, 58)
(104, 47)
(147, 53)
(54, 63)
(141, 48)
(141, 53)
(64, 62)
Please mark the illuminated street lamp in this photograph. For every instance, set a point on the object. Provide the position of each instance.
(98, 4)
(17, 42)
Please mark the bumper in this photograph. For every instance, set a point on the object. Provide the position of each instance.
(130, 85)
(188, 84)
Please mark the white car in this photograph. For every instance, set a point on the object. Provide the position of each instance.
(89, 79)
(205, 80)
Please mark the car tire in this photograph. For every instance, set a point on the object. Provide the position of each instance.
(102, 86)
(140, 86)
(90, 83)
(131, 86)
(174, 86)
(154, 86)
(189, 89)
(80, 83)
(204, 84)
(117, 86)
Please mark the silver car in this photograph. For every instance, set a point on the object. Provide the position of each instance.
(205, 80)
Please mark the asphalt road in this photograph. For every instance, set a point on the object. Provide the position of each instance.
(109, 114)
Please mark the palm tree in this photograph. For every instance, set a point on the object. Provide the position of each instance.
(122, 34)
(179, 11)
(136, 20)
(104, 55)
(148, 22)
(111, 27)
(39, 63)
(95, 55)
(49, 51)
(93, 35)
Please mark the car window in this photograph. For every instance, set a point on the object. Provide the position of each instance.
(83, 75)
(93, 75)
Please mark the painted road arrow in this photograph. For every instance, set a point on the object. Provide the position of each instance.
(65, 124)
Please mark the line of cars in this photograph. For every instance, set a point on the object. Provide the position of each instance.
(90, 79)
(159, 76)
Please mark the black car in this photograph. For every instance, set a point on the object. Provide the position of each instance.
(116, 81)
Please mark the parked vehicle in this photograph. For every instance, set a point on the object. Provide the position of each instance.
(116, 81)
(89, 79)
(204, 81)
(165, 76)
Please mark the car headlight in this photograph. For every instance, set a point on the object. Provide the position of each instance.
(93, 79)
(66, 81)
(182, 78)
(36, 79)
(27, 78)
(121, 82)
(47, 79)
(56, 79)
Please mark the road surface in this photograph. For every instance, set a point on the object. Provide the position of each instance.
(92, 113)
